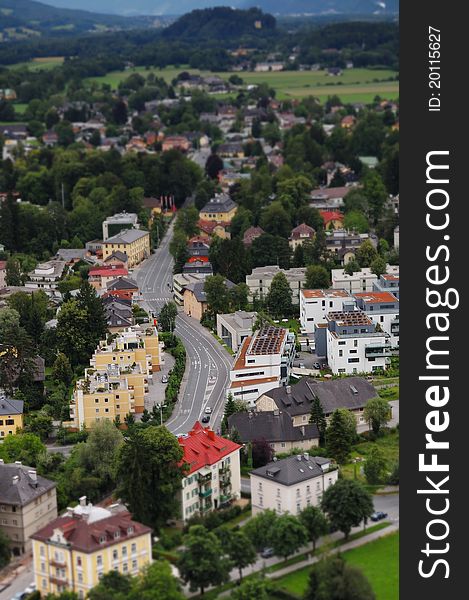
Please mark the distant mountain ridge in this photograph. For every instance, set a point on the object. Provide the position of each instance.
(281, 7)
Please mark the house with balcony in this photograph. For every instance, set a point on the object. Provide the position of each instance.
(75, 550)
(292, 484)
(352, 343)
(264, 361)
(234, 328)
(360, 281)
(388, 282)
(383, 310)
(46, 276)
(315, 304)
(213, 477)
(260, 280)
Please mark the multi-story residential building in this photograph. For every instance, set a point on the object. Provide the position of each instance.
(27, 503)
(220, 208)
(315, 304)
(260, 280)
(46, 276)
(343, 244)
(11, 415)
(118, 222)
(301, 234)
(360, 281)
(134, 243)
(195, 300)
(102, 395)
(234, 328)
(383, 310)
(388, 282)
(352, 343)
(100, 277)
(214, 476)
(296, 401)
(264, 361)
(75, 550)
(291, 484)
(276, 428)
(181, 280)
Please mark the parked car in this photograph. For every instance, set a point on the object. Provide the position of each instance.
(317, 365)
(378, 516)
(208, 410)
(301, 365)
(164, 379)
(206, 419)
(267, 552)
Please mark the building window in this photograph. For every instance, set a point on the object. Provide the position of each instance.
(134, 564)
(43, 567)
(78, 561)
(42, 551)
(260, 486)
(134, 548)
(298, 507)
(124, 551)
(261, 501)
(80, 577)
(117, 535)
(115, 555)
(99, 561)
(44, 584)
(125, 568)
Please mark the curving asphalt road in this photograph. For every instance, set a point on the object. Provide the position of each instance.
(208, 363)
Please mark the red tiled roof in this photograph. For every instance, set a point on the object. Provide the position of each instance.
(251, 234)
(324, 293)
(302, 231)
(108, 271)
(84, 536)
(209, 226)
(203, 447)
(331, 215)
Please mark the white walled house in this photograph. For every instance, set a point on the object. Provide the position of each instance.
(352, 344)
(214, 476)
(46, 276)
(234, 328)
(360, 281)
(315, 304)
(260, 280)
(291, 484)
(383, 310)
(264, 361)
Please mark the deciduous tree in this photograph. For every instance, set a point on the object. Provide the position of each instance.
(288, 534)
(347, 503)
(315, 523)
(332, 578)
(377, 412)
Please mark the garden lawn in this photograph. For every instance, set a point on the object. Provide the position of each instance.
(389, 444)
(378, 560)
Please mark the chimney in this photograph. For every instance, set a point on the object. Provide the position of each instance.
(18, 462)
(302, 433)
(306, 454)
(211, 434)
(15, 479)
(288, 388)
(82, 501)
(33, 475)
(276, 412)
(298, 458)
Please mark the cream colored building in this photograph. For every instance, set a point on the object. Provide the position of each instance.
(135, 243)
(27, 503)
(292, 484)
(74, 551)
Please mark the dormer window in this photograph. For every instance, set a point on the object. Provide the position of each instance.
(117, 535)
(102, 539)
(130, 530)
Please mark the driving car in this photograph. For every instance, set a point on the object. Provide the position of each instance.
(378, 516)
(206, 419)
(164, 379)
(267, 552)
(208, 410)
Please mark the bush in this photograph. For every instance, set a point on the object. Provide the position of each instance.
(214, 519)
(170, 539)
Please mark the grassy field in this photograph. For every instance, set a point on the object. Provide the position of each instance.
(39, 64)
(358, 85)
(378, 560)
(389, 444)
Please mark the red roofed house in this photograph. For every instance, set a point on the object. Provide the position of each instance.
(333, 219)
(251, 234)
(99, 277)
(300, 234)
(75, 550)
(213, 228)
(214, 477)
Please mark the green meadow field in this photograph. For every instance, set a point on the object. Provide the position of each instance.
(354, 85)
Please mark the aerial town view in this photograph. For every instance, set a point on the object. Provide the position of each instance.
(199, 300)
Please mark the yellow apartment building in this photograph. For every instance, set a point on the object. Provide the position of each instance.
(74, 551)
(135, 243)
(220, 208)
(11, 415)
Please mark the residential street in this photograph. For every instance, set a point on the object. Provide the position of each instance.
(208, 364)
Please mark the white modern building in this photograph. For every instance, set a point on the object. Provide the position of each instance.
(291, 484)
(352, 343)
(115, 224)
(315, 304)
(383, 310)
(264, 361)
(235, 327)
(214, 477)
(46, 276)
(181, 281)
(260, 279)
(360, 281)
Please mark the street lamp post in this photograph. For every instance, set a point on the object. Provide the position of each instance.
(160, 407)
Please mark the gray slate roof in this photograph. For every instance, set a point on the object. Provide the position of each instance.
(271, 427)
(220, 203)
(8, 406)
(126, 236)
(333, 394)
(26, 489)
(122, 283)
(293, 470)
